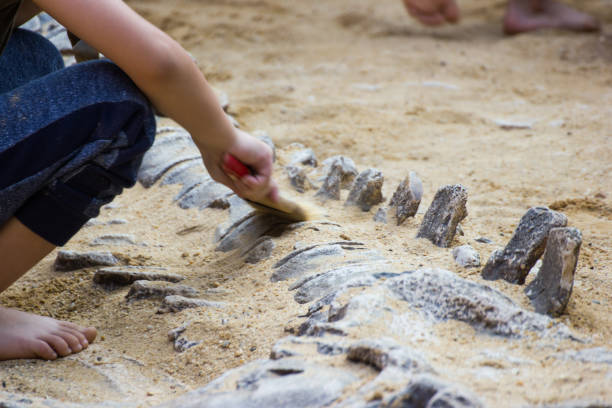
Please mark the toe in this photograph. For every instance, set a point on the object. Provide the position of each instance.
(71, 338)
(78, 333)
(86, 334)
(90, 333)
(43, 350)
(58, 344)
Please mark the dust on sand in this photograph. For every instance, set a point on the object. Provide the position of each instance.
(354, 77)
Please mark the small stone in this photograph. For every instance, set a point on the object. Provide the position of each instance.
(298, 178)
(384, 352)
(407, 198)
(427, 391)
(341, 173)
(347, 167)
(158, 290)
(466, 256)
(367, 190)
(181, 343)
(175, 303)
(304, 157)
(380, 216)
(551, 289)
(93, 222)
(71, 260)
(483, 240)
(260, 250)
(117, 221)
(525, 247)
(127, 275)
(446, 211)
(114, 239)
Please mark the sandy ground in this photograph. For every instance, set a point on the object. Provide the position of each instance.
(355, 77)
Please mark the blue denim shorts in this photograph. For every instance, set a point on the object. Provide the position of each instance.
(70, 138)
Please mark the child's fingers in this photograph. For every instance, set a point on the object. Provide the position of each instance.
(451, 12)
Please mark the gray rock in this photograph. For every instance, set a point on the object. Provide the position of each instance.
(384, 352)
(126, 275)
(346, 165)
(466, 256)
(71, 260)
(446, 211)
(158, 290)
(407, 198)
(551, 289)
(9, 400)
(380, 216)
(260, 250)
(429, 392)
(366, 191)
(454, 397)
(358, 311)
(239, 211)
(247, 230)
(313, 257)
(270, 384)
(576, 404)
(348, 275)
(304, 157)
(175, 303)
(442, 295)
(114, 239)
(167, 151)
(181, 344)
(265, 137)
(117, 221)
(341, 173)
(417, 393)
(292, 346)
(204, 195)
(596, 355)
(483, 240)
(525, 247)
(189, 174)
(298, 178)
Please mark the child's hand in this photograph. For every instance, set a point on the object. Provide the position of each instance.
(257, 156)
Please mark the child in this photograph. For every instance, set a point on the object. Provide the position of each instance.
(72, 138)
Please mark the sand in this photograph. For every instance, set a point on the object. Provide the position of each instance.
(358, 78)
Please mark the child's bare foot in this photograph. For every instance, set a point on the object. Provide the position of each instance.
(529, 15)
(24, 335)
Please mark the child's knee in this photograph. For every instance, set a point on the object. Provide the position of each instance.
(40, 52)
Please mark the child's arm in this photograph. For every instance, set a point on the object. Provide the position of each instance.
(164, 71)
(26, 11)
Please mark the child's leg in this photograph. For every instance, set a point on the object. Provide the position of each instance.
(24, 335)
(27, 56)
(69, 142)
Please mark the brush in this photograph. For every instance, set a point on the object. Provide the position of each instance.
(284, 208)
